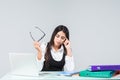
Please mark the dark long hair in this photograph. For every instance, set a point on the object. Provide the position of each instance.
(51, 42)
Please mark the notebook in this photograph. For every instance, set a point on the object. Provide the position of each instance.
(67, 73)
(23, 64)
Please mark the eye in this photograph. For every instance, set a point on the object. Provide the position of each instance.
(63, 38)
(57, 36)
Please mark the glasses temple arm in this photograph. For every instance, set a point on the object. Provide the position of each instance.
(42, 32)
(42, 37)
(31, 36)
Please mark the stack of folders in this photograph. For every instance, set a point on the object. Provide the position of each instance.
(102, 71)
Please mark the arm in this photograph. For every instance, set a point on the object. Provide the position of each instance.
(40, 54)
(69, 57)
(39, 51)
(69, 63)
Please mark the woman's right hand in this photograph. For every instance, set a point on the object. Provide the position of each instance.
(37, 45)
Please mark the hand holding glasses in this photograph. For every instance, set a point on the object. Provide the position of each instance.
(41, 37)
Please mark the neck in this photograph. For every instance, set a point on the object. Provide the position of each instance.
(56, 47)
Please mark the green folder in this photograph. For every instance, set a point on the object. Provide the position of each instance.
(101, 74)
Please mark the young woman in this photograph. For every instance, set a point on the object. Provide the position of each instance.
(56, 55)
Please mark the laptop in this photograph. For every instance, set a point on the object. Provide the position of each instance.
(23, 64)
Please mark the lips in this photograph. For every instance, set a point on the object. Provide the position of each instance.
(58, 43)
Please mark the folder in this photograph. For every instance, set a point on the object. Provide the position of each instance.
(98, 74)
(103, 67)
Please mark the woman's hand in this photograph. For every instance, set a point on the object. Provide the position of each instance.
(68, 47)
(67, 44)
(37, 45)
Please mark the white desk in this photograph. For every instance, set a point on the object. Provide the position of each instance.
(52, 76)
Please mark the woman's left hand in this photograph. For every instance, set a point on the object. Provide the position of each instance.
(68, 47)
(67, 44)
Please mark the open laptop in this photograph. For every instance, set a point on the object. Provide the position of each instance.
(23, 64)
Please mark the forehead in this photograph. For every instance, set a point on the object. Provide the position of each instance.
(61, 33)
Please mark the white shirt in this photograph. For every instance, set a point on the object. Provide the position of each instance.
(69, 61)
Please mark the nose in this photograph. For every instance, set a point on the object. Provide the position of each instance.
(59, 39)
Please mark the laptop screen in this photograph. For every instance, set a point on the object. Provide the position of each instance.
(23, 63)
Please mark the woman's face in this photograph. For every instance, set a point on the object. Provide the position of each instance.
(59, 38)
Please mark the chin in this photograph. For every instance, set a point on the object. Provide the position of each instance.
(57, 44)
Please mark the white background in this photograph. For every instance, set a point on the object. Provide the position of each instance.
(94, 28)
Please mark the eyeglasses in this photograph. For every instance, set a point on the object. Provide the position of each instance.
(41, 37)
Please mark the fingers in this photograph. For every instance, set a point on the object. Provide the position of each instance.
(67, 42)
(36, 45)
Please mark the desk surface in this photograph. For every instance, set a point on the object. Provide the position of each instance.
(51, 76)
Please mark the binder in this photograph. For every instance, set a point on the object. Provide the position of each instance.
(103, 67)
(98, 74)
